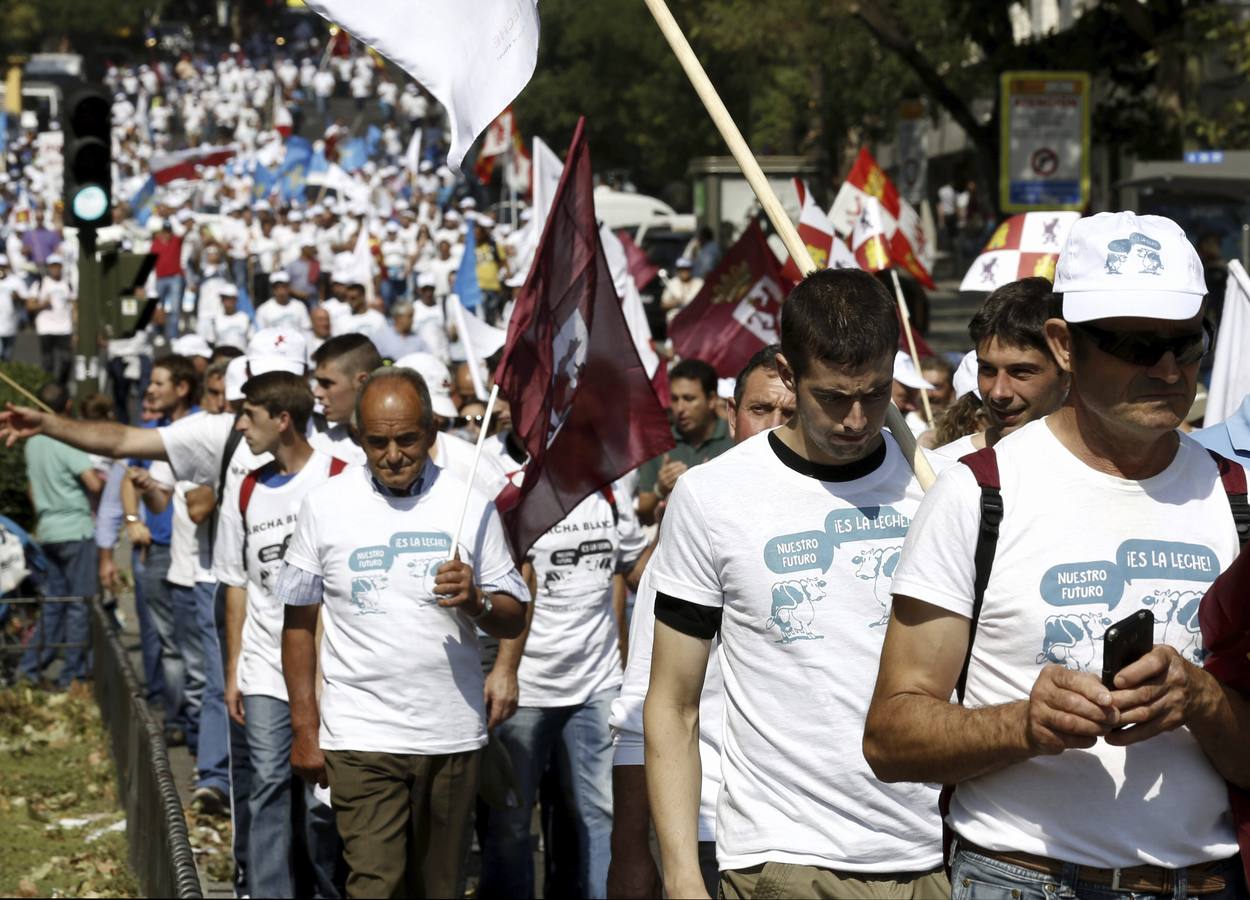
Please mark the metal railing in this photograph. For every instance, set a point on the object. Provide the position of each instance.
(156, 830)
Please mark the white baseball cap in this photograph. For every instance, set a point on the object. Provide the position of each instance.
(1123, 264)
(192, 345)
(279, 278)
(236, 377)
(277, 350)
(437, 379)
(964, 380)
(55, 259)
(905, 373)
(426, 280)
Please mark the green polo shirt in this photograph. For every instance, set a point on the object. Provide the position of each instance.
(690, 454)
(61, 506)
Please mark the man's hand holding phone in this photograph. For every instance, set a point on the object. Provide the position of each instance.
(1157, 693)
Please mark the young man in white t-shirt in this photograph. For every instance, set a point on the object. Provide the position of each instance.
(761, 402)
(255, 525)
(52, 305)
(784, 547)
(231, 327)
(281, 310)
(567, 668)
(1017, 376)
(400, 724)
(1073, 780)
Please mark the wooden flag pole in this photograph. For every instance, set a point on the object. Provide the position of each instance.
(905, 314)
(25, 393)
(477, 455)
(768, 200)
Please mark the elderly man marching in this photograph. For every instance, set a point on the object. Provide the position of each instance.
(1080, 769)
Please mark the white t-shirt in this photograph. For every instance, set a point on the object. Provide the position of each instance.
(59, 318)
(294, 315)
(1079, 550)
(368, 323)
(229, 330)
(958, 448)
(401, 673)
(801, 571)
(12, 299)
(572, 650)
(271, 512)
(336, 440)
(186, 568)
(626, 721)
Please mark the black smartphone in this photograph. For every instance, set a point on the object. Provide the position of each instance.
(1126, 642)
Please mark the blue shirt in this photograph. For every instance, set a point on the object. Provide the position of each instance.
(1230, 438)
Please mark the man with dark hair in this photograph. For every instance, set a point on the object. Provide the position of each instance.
(699, 432)
(1079, 771)
(784, 547)
(1018, 378)
(340, 366)
(256, 523)
(62, 483)
(761, 401)
(398, 729)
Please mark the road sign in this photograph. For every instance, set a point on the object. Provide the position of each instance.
(1044, 162)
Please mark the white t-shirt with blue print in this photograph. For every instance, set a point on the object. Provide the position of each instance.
(1078, 551)
(802, 570)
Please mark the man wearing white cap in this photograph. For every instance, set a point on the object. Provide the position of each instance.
(281, 310)
(231, 327)
(905, 392)
(52, 307)
(679, 291)
(195, 348)
(1081, 766)
(12, 300)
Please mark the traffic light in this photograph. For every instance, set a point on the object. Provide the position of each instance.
(88, 158)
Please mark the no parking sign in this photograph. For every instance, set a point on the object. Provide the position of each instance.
(1044, 161)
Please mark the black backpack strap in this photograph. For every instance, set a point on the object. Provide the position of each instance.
(227, 454)
(984, 466)
(1233, 477)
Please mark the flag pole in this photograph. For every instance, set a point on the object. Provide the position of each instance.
(768, 200)
(477, 455)
(911, 342)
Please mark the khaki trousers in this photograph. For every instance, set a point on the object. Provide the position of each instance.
(773, 881)
(406, 820)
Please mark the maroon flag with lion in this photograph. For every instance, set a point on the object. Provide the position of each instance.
(738, 310)
(582, 403)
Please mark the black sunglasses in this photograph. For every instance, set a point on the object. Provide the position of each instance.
(462, 421)
(1139, 348)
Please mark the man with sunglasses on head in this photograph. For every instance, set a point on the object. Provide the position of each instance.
(1070, 779)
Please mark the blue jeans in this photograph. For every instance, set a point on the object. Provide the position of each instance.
(169, 290)
(206, 686)
(581, 738)
(269, 872)
(6, 348)
(149, 638)
(976, 877)
(72, 572)
(160, 604)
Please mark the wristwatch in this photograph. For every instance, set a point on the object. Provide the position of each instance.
(487, 606)
(131, 518)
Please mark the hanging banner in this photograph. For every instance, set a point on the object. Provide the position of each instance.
(1044, 156)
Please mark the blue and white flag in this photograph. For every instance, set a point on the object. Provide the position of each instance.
(466, 286)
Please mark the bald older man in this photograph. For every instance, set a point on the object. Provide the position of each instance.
(401, 723)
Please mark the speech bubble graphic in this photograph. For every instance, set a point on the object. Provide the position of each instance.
(377, 558)
(1167, 559)
(1083, 583)
(420, 542)
(866, 524)
(796, 552)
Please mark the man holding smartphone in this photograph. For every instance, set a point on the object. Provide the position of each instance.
(1064, 786)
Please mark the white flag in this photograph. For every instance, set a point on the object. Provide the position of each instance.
(1230, 373)
(474, 56)
(479, 341)
(631, 300)
(412, 159)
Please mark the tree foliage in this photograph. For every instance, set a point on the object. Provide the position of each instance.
(818, 78)
(28, 26)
